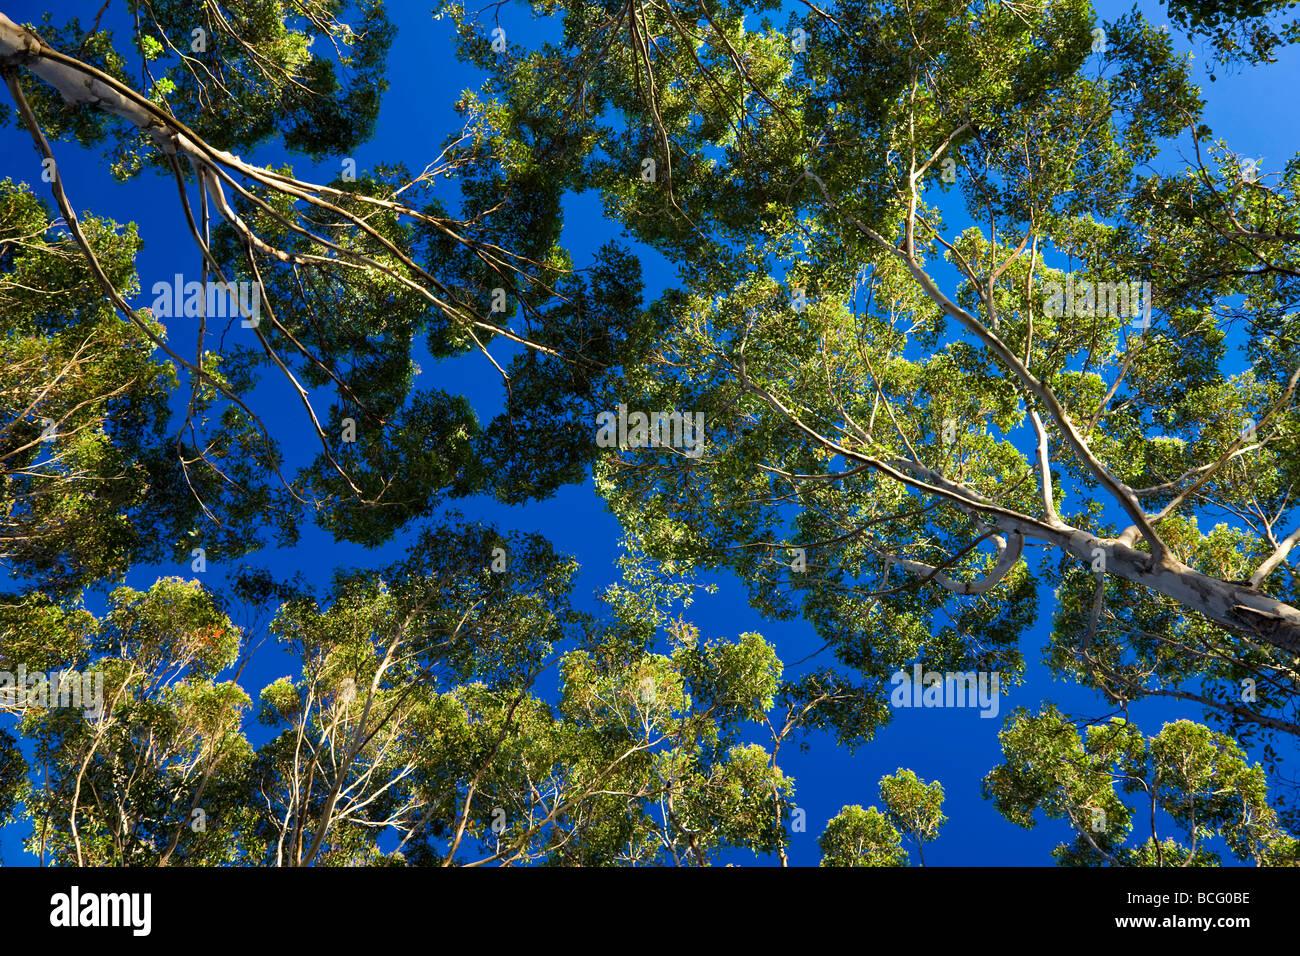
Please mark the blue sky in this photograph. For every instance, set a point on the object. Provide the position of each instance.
(1254, 110)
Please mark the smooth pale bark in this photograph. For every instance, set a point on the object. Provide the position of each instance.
(21, 47)
(1009, 553)
(1232, 605)
(1237, 607)
(1275, 559)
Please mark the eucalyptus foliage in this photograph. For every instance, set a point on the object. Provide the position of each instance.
(972, 351)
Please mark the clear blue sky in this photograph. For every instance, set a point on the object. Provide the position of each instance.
(1256, 111)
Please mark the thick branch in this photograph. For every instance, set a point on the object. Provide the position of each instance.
(1009, 552)
(1275, 559)
(1121, 492)
(1230, 605)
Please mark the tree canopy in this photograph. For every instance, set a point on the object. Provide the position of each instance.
(975, 323)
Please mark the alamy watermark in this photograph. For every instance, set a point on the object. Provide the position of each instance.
(76, 909)
(947, 689)
(215, 300)
(1084, 298)
(83, 691)
(621, 429)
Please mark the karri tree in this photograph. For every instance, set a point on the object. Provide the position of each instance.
(1091, 384)
(974, 306)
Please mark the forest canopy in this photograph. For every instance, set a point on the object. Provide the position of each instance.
(940, 327)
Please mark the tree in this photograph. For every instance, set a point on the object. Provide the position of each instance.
(913, 807)
(391, 262)
(120, 777)
(82, 408)
(958, 333)
(888, 398)
(414, 713)
(1199, 778)
(857, 837)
